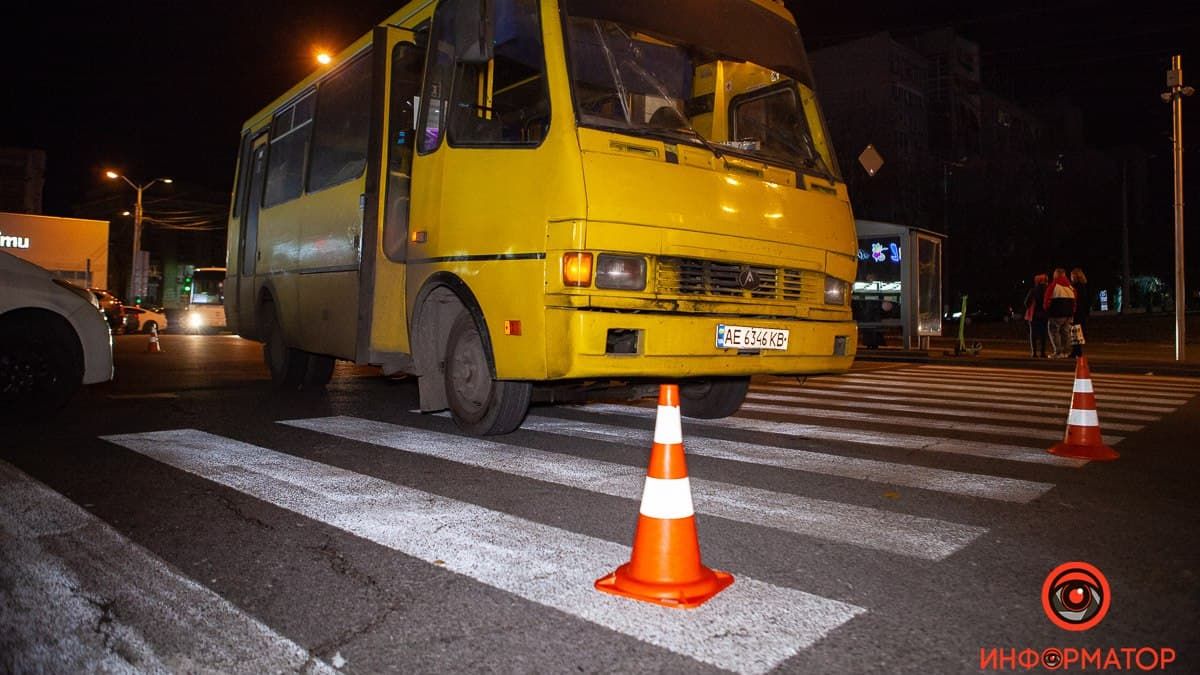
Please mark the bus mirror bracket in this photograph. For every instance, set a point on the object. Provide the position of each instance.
(473, 34)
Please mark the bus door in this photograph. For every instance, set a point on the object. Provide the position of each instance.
(248, 244)
(398, 69)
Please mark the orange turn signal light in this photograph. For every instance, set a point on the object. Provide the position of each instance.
(577, 269)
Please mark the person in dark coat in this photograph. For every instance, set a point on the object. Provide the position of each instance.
(1035, 316)
(1059, 302)
(1083, 305)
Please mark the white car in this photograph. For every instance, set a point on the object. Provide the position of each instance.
(143, 319)
(53, 338)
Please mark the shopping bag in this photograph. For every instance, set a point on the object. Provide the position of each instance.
(1077, 334)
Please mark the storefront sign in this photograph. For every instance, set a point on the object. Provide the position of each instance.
(9, 241)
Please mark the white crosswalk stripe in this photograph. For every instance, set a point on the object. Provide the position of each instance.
(751, 627)
(1162, 382)
(1007, 388)
(1047, 379)
(1056, 419)
(1016, 453)
(869, 397)
(870, 417)
(981, 393)
(898, 533)
(76, 596)
(890, 473)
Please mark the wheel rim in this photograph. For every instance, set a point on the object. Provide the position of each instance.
(26, 372)
(470, 377)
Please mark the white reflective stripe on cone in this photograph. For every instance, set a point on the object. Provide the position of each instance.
(1083, 386)
(667, 498)
(669, 429)
(1083, 418)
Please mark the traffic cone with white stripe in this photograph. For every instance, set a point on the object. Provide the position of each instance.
(153, 347)
(665, 565)
(1083, 440)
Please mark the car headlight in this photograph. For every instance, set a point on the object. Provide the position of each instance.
(194, 320)
(835, 291)
(622, 272)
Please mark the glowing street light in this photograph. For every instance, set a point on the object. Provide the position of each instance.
(324, 58)
(137, 225)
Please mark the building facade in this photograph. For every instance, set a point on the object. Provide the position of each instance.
(73, 249)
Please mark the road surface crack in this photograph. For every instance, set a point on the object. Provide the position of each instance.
(236, 509)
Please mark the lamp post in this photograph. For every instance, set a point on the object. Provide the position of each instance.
(137, 226)
(1174, 96)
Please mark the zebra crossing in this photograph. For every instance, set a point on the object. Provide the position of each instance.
(887, 428)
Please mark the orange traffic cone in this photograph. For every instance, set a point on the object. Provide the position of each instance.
(1083, 440)
(153, 346)
(665, 566)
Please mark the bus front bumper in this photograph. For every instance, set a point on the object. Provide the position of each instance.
(619, 345)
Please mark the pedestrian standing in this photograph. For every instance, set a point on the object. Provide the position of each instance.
(1059, 302)
(1035, 316)
(1083, 305)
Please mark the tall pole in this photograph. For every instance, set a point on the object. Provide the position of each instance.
(1175, 97)
(137, 243)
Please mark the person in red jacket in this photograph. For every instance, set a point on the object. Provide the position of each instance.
(1059, 303)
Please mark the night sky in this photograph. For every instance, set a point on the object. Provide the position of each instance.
(161, 88)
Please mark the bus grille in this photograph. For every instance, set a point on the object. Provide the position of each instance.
(719, 280)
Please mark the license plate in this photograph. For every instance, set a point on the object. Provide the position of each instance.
(751, 337)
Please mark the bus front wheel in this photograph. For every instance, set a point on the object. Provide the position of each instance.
(479, 403)
(713, 398)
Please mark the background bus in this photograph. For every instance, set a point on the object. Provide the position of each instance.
(567, 194)
(205, 310)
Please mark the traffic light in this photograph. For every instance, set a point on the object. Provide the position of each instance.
(187, 285)
(137, 301)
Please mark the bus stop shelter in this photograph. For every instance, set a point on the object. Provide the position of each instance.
(897, 296)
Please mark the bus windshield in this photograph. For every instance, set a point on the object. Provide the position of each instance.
(633, 71)
(208, 288)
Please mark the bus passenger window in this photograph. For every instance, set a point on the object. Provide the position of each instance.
(339, 151)
(290, 130)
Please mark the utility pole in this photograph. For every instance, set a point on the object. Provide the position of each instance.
(136, 276)
(1174, 96)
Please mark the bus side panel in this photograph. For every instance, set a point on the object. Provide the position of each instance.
(327, 261)
(278, 246)
(231, 276)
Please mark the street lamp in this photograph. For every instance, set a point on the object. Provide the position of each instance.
(137, 226)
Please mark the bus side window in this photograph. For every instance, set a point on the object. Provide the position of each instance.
(405, 83)
(339, 145)
(290, 131)
(505, 101)
(437, 78)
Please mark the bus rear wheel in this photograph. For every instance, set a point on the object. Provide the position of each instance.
(288, 366)
(713, 398)
(480, 404)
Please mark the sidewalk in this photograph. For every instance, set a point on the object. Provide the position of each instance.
(1132, 344)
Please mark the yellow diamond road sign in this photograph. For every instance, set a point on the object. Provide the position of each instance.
(871, 160)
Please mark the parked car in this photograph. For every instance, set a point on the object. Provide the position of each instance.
(53, 338)
(111, 306)
(143, 319)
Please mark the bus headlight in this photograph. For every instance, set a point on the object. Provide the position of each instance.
(195, 321)
(835, 291)
(622, 272)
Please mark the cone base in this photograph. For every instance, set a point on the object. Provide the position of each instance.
(1101, 453)
(681, 595)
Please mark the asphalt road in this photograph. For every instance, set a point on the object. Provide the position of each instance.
(900, 518)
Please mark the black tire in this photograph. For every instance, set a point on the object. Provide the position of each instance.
(41, 363)
(149, 326)
(318, 372)
(480, 404)
(713, 398)
(288, 366)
